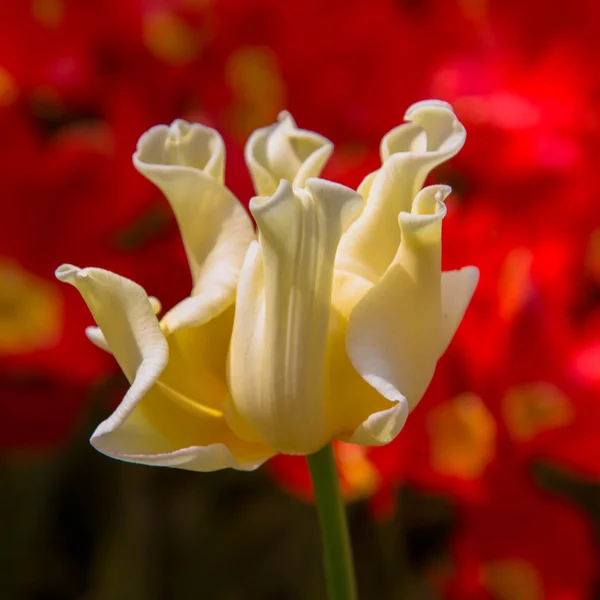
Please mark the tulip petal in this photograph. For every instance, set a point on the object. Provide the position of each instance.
(179, 422)
(170, 430)
(357, 412)
(123, 312)
(457, 290)
(154, 424)
(280, 334)
(198, 361)
(394, 331)
(383, 426)
(282, 151)
(95, 335)
(186, 162)
(409, 152)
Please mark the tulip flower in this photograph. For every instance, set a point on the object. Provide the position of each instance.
(326, 325)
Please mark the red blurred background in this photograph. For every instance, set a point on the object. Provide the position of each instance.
(492, 491)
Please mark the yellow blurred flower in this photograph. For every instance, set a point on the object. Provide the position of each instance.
(325, 325)
(31, 310)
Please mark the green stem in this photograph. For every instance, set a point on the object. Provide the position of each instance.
(337, 552)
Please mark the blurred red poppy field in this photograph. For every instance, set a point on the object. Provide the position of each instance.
(492, 489)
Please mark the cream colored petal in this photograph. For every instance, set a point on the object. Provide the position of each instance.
(279, 343)
(154, 424)
(394, 331)
(282, 151)
(178, 422)
(382, 427)
(442, 133)
(355, 410)
(409, 152)
(155, 304)
(123, 312)
(95, 335)
(186, 162)
(204, 459)
(457, 290)
(168, 429)
(198, 365)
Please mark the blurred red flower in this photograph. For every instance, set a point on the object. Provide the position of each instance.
(521, 544)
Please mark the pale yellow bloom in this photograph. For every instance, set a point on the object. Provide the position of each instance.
(327, 325)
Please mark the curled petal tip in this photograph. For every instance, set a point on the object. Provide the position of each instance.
(179, 145)
(443, 193)
(283, 151)
(260, 204)
(68, 273)
(431, 200)
(428, 207)
(417, 106)
(285, 116)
